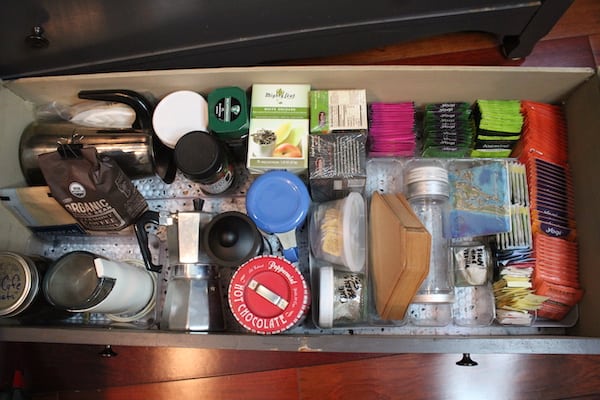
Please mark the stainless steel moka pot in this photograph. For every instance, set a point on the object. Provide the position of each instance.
(193, 295)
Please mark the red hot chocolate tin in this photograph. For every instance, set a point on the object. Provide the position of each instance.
(268, 295)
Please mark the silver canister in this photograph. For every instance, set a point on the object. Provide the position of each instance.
(193, 300)
(21, 295)
(132, 149)
(138, 151)
(19, 284)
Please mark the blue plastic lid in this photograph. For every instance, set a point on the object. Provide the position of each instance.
(277, 202)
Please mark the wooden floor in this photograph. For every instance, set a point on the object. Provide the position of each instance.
(64, 372)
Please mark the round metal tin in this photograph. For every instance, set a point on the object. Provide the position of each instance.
(19, 283)
(268, 295)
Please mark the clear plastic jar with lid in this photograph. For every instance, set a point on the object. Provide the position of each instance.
(427, 190)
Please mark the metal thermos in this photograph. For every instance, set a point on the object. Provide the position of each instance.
(138, 151)
(80, 281)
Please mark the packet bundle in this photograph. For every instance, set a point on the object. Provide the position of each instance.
(499, 124)
(552, 199)
(392, 129)
(556, 275)
(544, 133)
(519, 236)
(447, 130)
(480, 200)
(543, 150)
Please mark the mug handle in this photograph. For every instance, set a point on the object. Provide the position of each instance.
(291, 254)
(289, 245)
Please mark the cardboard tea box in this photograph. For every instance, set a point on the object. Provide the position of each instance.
(279, 117)
(338, 111)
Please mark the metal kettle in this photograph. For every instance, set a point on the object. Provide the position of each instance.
(138, 151)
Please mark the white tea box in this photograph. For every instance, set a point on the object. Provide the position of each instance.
(279, 119)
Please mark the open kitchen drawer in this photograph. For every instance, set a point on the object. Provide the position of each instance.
(579, 89)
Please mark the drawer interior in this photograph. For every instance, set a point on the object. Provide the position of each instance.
(578, 89)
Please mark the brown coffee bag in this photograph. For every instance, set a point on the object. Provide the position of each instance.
(94, 190)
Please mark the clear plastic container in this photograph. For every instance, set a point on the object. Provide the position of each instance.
(427, 191)
(472, 264)
(338, 232)
(430, 314)
(342, 297)
(474, 306)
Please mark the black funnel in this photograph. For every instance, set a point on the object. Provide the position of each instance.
(231, 239)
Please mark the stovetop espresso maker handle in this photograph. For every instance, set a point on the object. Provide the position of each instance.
(149, 217)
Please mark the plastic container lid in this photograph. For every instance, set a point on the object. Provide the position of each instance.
(178, 113)
(278, 202)
(268, 295)
(326, 297)
(354, 232)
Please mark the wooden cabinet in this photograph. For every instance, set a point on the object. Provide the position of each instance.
(67, 36)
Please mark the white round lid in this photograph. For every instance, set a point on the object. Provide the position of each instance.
(326, 297)
(179, 113)
(354, 232)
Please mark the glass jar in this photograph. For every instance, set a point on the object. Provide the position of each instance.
(204, 159)
(427, 191)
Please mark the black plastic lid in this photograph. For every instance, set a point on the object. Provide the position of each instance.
(198, 155)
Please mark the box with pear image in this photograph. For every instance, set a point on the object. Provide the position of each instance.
(279, 125)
